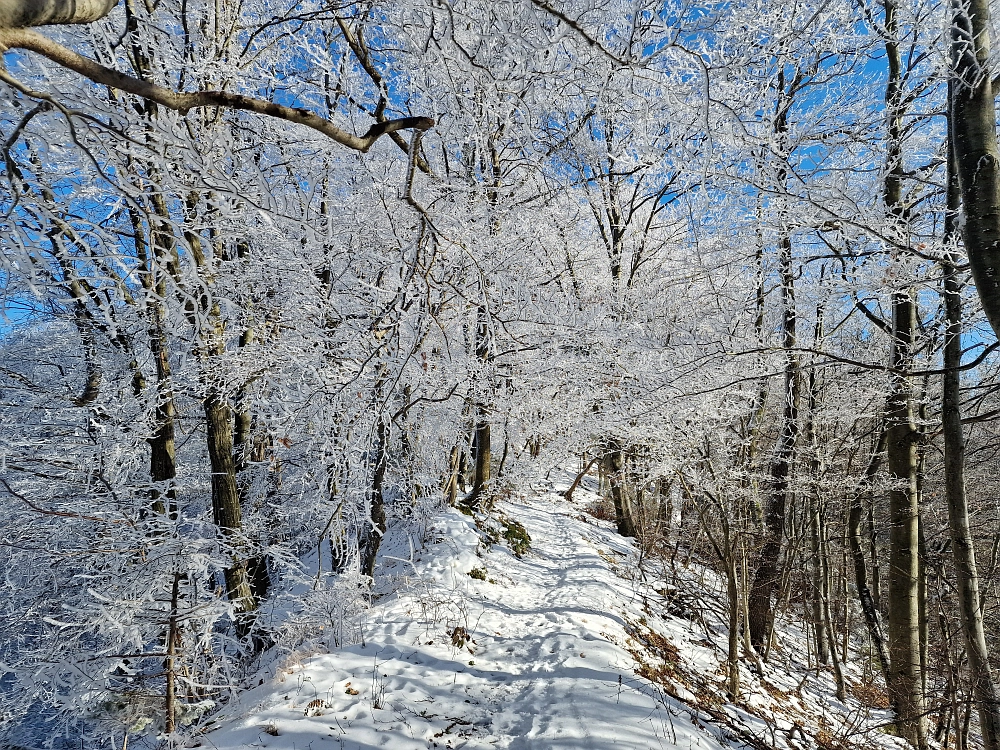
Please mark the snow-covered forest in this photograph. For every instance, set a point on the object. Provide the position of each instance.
(289, 288)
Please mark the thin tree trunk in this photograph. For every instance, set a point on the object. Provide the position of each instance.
(162, 449)
(243, 419)
(451, 484)
(733, 594)
(95, 373)
(375, 530)
(954, 680)
(568, 494)
(820, 611)
(481, 439)
(247, 450)
(482, 453)
(966, 722)
(170, 667)
(869, 607)
(825, 595)
(873, 549)
(726, 549)
(922, 592)
(818, 618)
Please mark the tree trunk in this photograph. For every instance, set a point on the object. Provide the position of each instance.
(482, 453)
(613, 463)
(162, 449)
(243, 419)
(568, 494)
(820, 608)
(170, 667)
(869, 607)
(906, 676)
(733, 594)
(481, 441)
(374, 531)
(922, 590)
(826, 589)
(973, 122)
(451, 485)
(226, 509)
(766, 577)
(818, 618)
(246, 450)
(963, 549)
(906, 683)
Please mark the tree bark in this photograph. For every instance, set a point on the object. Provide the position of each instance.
(766, 577)
(963, 549)
(481, 440)
(568, 494)
(819, 575)
(451, 485)
(869, 607)
(226, 509)
(906, 682)
(906, 675)
(819, 620)
(733, 595)
(170, 666)
(613, 463)
(162, 448)
(973, 122)
(483, 455)
(825, 593)
(16, 14)
(374, 531)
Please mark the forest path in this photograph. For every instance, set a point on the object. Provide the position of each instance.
(542, 669)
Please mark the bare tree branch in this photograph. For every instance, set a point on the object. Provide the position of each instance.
(183, 102)
(361, 52)
(575, 25)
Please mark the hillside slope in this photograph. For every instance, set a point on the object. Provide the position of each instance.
(543, 653)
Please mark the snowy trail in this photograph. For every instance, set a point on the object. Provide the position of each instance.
(532, 658)
(540, 671)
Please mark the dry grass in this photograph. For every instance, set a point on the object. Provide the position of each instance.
(602, 509)
(870, 694)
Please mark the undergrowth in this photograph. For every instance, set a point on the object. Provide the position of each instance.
(493, 530)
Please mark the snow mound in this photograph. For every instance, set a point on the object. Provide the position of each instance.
(549, 650)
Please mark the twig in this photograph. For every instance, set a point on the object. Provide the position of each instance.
(59, 513)
(428, 399)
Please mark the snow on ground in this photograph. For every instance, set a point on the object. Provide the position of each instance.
(542, 654)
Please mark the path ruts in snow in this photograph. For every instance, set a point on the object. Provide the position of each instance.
(529, 659)
(539, 671)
